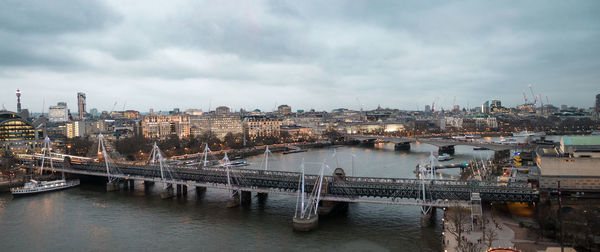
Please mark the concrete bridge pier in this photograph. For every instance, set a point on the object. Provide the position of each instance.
(200, 190)
(147, 184)
(131, 184)
(234, 200)
(332, 207)
(448, 149)
(168, 192)
(113, 186)
(403, 146)
(428, 218)
(305, 224)
(246, 197)
(184, 190)
(179, 190)
(262, 196)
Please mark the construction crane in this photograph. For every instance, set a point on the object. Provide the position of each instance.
(534, 97)
(525, 97)
(113, 108)
(124, 104)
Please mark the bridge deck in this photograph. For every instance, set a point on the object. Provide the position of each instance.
(348, 189)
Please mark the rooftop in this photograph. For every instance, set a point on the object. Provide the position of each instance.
(581, 140)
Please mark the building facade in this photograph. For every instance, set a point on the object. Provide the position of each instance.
(162, 126)
(58, 113)
(81, 105)
(219, 124)
(16, 133)
(262, 127)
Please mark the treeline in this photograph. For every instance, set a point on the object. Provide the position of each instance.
(138, 148)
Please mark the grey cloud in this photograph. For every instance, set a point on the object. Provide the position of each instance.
(397, 53)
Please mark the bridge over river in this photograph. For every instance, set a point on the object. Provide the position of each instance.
(428, 193)
(444, 145)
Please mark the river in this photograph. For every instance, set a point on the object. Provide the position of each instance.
(87, 218)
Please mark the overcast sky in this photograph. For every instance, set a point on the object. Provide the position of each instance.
(307, 54)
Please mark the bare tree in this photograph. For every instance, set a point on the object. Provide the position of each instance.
(468, 247)
(458, 221)
(489, 233)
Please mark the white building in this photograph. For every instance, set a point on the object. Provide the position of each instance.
(58, 113)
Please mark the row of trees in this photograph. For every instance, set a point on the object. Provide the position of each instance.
(137, 148)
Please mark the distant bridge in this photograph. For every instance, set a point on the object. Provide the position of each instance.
(443, 144)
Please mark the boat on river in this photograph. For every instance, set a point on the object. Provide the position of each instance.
(444, 157)
(526, 133)
(34, 186)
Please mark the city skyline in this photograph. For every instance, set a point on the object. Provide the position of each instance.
(188, 55)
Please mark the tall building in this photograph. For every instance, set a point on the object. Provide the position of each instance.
(81, 105)
(284, 109)
(75, 129)
(597, 105)
(18, 101)
(58, 113)
(222, 110)
(485, 107)
(427, 108)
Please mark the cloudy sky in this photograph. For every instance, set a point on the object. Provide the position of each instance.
(308, 54)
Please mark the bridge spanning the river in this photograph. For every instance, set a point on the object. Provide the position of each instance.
(424, 192)
(444, 145)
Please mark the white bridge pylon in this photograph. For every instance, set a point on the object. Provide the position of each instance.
(308, 204)
(424, 172)
(45, 150)
(165, 172)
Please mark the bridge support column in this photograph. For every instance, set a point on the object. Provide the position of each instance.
(113, 186)
(131, 184)
(179, 190)
(167, 193)
(332, 207)
(305, 224)
(262, 196)
(449, 149)
(147, 184)
(200, 190)
(246, 197)
(427, 217)
(184, 190)
(234, 200)
(404, 146)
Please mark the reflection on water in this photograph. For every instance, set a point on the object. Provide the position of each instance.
(87, 218)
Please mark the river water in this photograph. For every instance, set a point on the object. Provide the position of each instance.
(87, 218)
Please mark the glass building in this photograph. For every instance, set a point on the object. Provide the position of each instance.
(16, 132)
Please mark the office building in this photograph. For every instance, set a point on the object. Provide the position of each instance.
(81, 105)
(284, 110)
(16, 133)
(218, 124)
(485, 107)
(75, 129)
(162, 126)
(222, 110)
(58, 113)
(262, 127)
